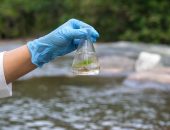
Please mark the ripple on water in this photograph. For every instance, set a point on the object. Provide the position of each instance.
(106, 107)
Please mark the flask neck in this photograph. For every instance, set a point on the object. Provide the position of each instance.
(85, 46)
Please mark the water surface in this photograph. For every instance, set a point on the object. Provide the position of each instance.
(84, 103)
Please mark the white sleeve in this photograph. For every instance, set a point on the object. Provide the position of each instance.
(5, 89)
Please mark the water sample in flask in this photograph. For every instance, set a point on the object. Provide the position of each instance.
(85, 61)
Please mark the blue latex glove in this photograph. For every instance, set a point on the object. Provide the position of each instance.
(61, 41)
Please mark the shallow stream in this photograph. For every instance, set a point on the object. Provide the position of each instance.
(49, 99)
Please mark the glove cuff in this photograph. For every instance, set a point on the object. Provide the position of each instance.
(41, 53)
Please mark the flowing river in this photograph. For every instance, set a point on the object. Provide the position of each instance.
(51, 99)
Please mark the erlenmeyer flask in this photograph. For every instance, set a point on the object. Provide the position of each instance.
(85, 61)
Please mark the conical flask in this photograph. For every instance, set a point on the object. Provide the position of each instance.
(85, 61)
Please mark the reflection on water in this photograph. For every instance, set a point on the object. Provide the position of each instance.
(83, 103)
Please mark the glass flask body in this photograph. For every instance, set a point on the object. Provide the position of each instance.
(85, 61)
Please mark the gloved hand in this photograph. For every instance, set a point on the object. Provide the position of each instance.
(61, 41)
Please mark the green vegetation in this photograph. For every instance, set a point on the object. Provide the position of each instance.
(132, 20)
(84, 63)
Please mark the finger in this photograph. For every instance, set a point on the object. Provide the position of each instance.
(78, 33)
(83, 34)
(93, 40)
(77, 24)
(86, 33)
(92, 33)
(78, 41)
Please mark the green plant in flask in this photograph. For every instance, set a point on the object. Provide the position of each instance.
(85, 61)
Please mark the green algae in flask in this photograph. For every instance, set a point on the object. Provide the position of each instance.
(85, 61)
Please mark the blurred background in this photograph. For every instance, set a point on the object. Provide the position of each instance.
(133, 87)
(116, 20)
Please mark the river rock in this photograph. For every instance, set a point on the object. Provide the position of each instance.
(147, 61)
(153, 78)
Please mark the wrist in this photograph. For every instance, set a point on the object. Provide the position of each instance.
(41, 52)
(17, 62)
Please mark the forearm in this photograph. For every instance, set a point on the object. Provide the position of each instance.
(36, 53)
(17, 63)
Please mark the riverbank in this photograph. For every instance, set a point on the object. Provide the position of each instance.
(116, 60)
